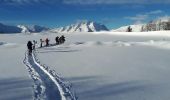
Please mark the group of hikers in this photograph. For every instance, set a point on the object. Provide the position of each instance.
(31, 46)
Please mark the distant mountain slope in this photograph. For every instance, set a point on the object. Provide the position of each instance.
(158, 25)
(9, 29)
(88, 26)
(21, 29)
(32, 29)
(135, 28)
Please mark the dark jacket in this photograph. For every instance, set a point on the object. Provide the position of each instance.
(29, 45)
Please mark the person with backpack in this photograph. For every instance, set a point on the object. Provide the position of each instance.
(57, 40)
(41, 43)
(62, 39)
(47, 41)
(29, 46)
(34, 43)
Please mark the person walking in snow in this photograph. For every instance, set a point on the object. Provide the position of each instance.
(62, 39)
(34, 43)
(29, 46)
(57, 40)
(129, 29)
(47, 41)
(41, 42)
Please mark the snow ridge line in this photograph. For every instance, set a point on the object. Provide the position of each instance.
(64, 88)
(38, 87)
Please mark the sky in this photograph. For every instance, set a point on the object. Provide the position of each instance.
(57, 13)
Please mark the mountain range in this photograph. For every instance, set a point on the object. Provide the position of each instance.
(21, 29)
(88, 26)
(32, 28)
(9, 29)
(155, 25)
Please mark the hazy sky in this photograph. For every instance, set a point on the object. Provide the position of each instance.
(55, 13)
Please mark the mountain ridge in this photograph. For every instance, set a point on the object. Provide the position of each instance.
(32, 28)
(88, 26)
(21, 28)
(159, 24)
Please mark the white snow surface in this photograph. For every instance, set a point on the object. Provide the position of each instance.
(101, 66)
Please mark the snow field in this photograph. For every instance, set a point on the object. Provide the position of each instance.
(99, 66)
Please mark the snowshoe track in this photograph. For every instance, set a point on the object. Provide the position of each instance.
(47, 84)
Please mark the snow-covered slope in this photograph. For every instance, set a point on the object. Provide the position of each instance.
(100, 67)
(135, 28)
(158, 25)
(9, 29)
(82, 27)
(111, 67)
(21, 29)
(32, 29)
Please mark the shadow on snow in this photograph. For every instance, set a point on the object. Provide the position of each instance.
(15, 89)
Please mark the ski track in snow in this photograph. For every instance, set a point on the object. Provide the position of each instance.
(47, 84)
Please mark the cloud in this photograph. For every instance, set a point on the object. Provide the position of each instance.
(18, 2)
(137, 17)
(165, 18)
(91, 2)
(86, 2)
(140, 18)
(155, 12)
(25, 2)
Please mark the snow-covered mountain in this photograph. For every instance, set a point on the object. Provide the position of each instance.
(135, 28)
(87, 26)
(162, 23)
(158, 25)
(32, 29)
(9, 29)
(21, 29)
